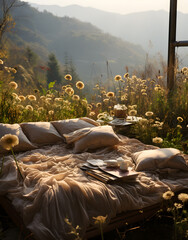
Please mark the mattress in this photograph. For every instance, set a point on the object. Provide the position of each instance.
(55, 188)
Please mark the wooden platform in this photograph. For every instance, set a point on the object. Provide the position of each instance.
(129, 217)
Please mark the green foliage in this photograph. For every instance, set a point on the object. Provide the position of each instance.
(53, 73)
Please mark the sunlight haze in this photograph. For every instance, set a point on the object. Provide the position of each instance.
(118, 6)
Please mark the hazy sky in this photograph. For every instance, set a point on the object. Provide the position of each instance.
(119, 6)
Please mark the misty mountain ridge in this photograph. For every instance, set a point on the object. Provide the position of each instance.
(149, 28)
(88, 47)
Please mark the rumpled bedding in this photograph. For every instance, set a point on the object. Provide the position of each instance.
(54, 188)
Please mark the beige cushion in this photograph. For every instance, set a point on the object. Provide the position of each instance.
(70, 125)
(93, 138)
(41, 133)
(159, 158)
(15, 129)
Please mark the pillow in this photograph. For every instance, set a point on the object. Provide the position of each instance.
(89, 120)
(96, 137)
(15, 129)
(70, 125)
(159, 158)
(41, 133)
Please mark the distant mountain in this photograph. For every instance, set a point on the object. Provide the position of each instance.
(149, 29)
(84, 43)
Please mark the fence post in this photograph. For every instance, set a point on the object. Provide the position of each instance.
(172, 45)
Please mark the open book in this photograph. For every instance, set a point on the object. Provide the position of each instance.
(108, 174)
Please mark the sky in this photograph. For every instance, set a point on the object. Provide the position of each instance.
(118, 6)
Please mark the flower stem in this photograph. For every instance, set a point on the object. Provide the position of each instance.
(102, 237)
(17, 164)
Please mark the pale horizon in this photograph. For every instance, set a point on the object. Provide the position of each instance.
(118, 6)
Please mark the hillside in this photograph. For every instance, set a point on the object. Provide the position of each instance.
(84, 43)
(149, 29)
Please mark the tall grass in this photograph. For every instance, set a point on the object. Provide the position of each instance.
(162, 116)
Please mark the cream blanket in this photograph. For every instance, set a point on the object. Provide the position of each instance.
(54, 188)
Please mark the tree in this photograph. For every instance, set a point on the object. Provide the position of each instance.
(31, 56)
(69, 68)
(6, 21)
(53, 72)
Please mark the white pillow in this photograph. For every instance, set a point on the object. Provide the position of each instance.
(93, 138)
(71, 125)
(15, 129)
(41, 133)
(159, 158)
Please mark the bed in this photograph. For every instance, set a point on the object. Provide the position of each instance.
(54, 188)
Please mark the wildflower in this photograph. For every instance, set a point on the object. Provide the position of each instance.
(157, 140)
(100, 115)
(126, 75)
(51, 112)
(68, 77)
(110, 94)
(160, 77)
(32, 97)
(43, 98)
(149, 114)
(98, 105)
(58, 99)
(84, 101)
(36, 91)
(64, 87)
(143, 121)
(117, 78)
(14, 95)
(47, 100)
(40, 109)
(91, 114)
(180, 119)
(89, 106)
(69, 91)
(22, 98)
(80, 85)
(144, 94)
(168, 195)
(29, 108)
(49, 95)
(143, 90)
(106, 100)
(1, 62)
(75, 98)
(20, 107)
(184, 69)
(100, 219)
(103, 92)
(7, 69)
(133, 112)
(13, 70)
(112, 113)
(13, 85)
(179, 126)
(8, 141)
(178, 205)
(183, 197)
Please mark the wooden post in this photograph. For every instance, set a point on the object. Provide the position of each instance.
(172, 45)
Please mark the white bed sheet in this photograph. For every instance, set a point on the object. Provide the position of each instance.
(54, 188)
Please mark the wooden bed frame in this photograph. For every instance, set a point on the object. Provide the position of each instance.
(129, 217)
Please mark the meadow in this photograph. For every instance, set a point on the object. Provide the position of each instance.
(164, 114)
(163, 122)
